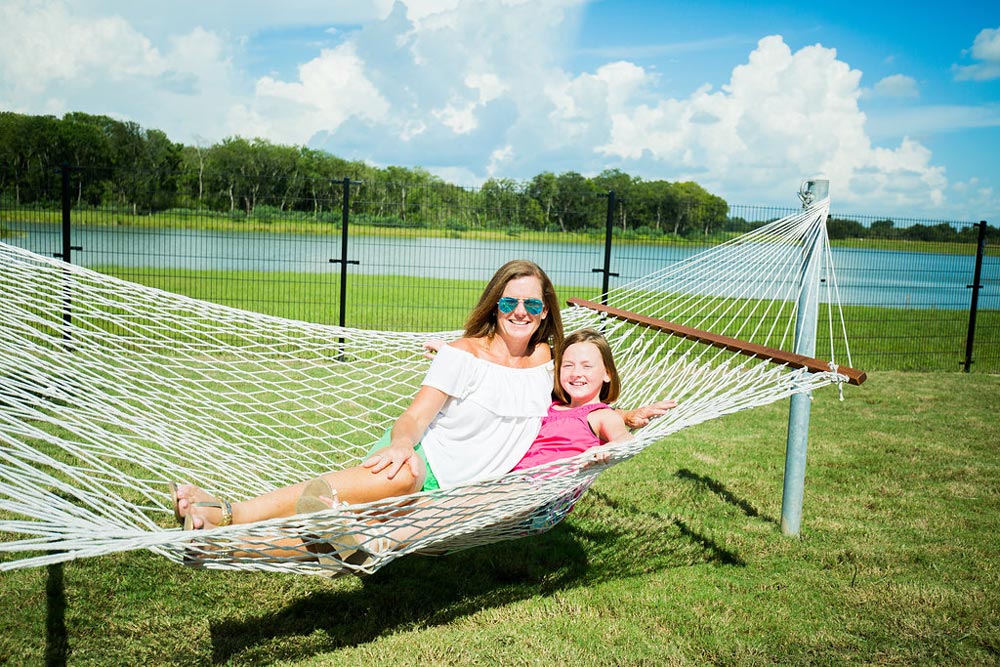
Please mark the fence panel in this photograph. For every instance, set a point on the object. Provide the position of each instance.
(907, 302)
(419, 254)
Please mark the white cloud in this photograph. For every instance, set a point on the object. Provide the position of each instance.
(973, 198)
(498, 158)
(580, 109)
(896, 85)
(470, 76)
(460, 117)
(640, 51)
(782, 117)
(928, 119)
(489, 85)
(54, 60)
(987, 45)
(985, 48)
(330, 89)
(234, 18)
(44, 45)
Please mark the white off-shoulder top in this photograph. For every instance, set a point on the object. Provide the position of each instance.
(491, 417)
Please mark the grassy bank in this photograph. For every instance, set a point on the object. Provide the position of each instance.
(881, 338)
(673, 558)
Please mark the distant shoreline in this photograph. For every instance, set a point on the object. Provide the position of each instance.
(311, 226)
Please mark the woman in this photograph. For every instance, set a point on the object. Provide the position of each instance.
(475, 415)
(578, 420)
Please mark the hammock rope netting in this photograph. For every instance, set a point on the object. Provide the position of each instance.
(110, 389)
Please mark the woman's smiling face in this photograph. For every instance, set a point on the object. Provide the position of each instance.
(519, 323)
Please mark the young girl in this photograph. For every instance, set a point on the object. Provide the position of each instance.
(580, 419)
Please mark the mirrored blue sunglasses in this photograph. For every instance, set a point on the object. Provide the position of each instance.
(507, 304)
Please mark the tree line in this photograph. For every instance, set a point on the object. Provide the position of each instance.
(942, 232)
(118, 164)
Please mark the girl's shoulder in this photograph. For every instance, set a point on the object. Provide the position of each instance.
(601, 412)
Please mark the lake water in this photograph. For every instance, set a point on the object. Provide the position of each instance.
(865, 276)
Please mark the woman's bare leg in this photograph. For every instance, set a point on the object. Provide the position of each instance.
(352, 485)
(428, 517)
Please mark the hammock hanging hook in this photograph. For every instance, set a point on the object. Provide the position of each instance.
(813, 190)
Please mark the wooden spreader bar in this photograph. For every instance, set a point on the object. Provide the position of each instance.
(854, 376)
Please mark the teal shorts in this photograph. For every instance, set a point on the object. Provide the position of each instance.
(430, 481)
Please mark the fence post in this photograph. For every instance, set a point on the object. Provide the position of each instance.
(608, 227)
(345, 214)
(975, 287)
(67, 247)
(56, 641)
(805, 344)
(67, 244)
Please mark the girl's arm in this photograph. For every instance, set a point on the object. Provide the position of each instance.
(640, 417)
(609, 427)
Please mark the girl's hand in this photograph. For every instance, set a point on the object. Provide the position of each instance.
(640, 416)
(598, 454)
(601, 454)
(432, 347)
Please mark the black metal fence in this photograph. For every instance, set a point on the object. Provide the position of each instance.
(918, 294)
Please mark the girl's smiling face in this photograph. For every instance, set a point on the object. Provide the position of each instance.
(582, 373)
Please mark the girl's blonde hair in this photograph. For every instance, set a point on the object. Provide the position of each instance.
(482, 321)
(610, 390)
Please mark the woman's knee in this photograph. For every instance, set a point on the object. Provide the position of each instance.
(404, 482)
(371, 486)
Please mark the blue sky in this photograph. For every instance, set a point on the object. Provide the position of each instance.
(898, 104)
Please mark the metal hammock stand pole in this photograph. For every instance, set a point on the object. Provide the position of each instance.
(805, 343)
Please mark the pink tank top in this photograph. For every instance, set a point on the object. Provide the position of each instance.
(563, 433)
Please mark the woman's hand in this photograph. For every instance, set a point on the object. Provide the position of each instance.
(640, 416)
(406, 434)
(392, 459)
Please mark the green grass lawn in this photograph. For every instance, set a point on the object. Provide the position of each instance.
(673, 558)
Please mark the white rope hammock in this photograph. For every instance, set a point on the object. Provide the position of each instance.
(109, 390)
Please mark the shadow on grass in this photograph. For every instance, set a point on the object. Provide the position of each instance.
(714, 553)
(720, 489)
(56, 640)
(605, 540)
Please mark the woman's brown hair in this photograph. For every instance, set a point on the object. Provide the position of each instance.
(610, 390)
(482, 321)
